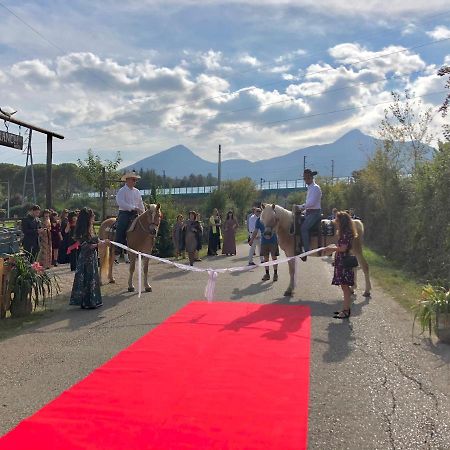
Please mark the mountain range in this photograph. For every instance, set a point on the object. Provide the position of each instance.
(350, 152)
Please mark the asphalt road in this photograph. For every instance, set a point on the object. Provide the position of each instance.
(373, 386)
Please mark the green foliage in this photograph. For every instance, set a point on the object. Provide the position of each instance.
(164, 245)
(217, 199)
(29, 282)
(91, 169)
(433, 301)
(405, 131)
(242, 194)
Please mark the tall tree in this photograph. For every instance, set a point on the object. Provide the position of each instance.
(444, 71)
(242, 193)
(91, 169)
(405, 132)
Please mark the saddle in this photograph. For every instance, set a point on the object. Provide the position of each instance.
(131, 227)
(317, 234)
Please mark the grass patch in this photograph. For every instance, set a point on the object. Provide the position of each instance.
(398, 283)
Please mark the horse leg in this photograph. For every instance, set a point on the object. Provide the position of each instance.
(131, 273)
(365, 268)
(290, 290)
(148, 288)
(110, 264)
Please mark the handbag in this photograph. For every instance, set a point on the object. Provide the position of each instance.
(349, 261)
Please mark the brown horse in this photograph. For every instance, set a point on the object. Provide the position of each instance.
(275, 218)
(140, 237)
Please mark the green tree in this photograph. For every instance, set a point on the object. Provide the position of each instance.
(91, 169)
(443, 72)
(405, 132)
(217, 199)
(242, 193)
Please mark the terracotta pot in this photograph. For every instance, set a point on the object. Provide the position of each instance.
(21, 305)
(443, 327)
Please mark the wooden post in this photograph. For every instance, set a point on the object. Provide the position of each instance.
(103, 193)
(48, 191)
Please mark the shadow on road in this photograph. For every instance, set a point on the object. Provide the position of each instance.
(266, 313)
(255, 288)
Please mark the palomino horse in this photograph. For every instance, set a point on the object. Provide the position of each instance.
(140, 237)
(279, 220)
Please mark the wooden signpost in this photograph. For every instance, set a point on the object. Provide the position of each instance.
(9, 141)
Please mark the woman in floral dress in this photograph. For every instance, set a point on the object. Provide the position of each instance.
(342, 276)
(45, 241)
(86, 284)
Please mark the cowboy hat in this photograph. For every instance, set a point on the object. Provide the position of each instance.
(309, 172)
(132, 174)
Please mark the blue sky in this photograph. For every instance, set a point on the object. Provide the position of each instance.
(141, 76)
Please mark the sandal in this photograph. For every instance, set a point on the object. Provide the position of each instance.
(344, 314)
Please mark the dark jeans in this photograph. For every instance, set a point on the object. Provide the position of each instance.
(124, 220)
(310, 220)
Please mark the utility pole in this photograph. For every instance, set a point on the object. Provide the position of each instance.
(219, 168)
(164, 180)
(332, 171)
(49, 184)
(9, 194)
(304, 162)
(103, 193)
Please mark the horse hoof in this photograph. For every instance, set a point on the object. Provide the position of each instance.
(148, 289)
(131, 289)
(288, 293)
(367, 294)
(112, 281)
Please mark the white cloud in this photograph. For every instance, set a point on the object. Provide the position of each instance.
(390, 59)
(410, 28)
(249, 60)
(375, 8)
(439, 32)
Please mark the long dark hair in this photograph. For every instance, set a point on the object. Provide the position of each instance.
(230, 215)
(345, 224)
(84, 228)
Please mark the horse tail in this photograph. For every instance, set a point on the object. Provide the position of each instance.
(358, 242)
(104, 253)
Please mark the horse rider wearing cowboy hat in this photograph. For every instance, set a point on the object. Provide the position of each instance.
(312, 207)
(130, 204)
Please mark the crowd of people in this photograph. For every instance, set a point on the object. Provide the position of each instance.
(187, 235)
(69, 238)
(48, 237)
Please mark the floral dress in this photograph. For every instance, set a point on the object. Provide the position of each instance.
(342, 275)
(86, 284)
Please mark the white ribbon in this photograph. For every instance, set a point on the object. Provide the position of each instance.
(213, 273)
(140, 274)
(297, 262)
(211, 285)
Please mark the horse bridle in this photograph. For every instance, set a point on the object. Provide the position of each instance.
(146, 229)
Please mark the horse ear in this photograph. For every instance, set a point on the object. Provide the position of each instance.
(273, 206)
(263, 205)
(158, 206)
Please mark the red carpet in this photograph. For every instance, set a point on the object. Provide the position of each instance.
(213, 376)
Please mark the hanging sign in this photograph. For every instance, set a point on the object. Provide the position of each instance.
(11, 140)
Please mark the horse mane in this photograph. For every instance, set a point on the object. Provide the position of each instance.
(284, 216)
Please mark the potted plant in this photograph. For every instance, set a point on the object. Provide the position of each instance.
(432, 311)
(28, 283)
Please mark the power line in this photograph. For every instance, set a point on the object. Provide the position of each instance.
(263, 124)
(292, 99)
(322, 52)
(272, 83)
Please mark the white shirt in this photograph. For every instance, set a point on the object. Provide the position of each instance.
(313, 197)
(130, 199)
(251, 224)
